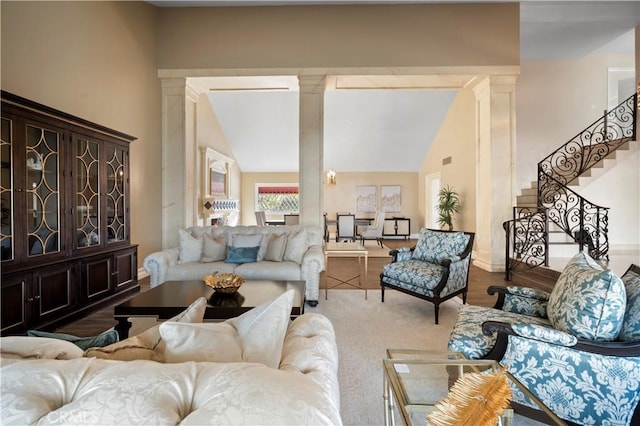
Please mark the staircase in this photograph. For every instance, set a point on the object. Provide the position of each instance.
(552, 214)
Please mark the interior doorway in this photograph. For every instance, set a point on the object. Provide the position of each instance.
(431, 189)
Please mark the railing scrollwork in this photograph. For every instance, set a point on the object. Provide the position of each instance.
(526, 239)
(587, 223)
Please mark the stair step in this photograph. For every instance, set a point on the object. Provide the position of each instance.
(602, 166)
(529, 192)
(541, 278)
(527, 199)
(560, 238)
(566, 250)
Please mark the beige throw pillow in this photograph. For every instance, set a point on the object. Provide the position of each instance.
(296, 246)
(255, 336)
(190, 248)
(25, 347)
(214, 249)
(148, 344)
(276, 247)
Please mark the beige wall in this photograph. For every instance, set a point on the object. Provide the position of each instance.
(210, 134)
(456, 139)
(96, 60)
(341, 197)
(359, 36)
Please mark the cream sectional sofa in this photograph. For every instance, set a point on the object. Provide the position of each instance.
(47, 381)
(285, 253)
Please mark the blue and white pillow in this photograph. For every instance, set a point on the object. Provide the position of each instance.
(630, 331)
(587, 301)
(434, 246)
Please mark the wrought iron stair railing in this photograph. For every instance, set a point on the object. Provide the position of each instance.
(527, 240)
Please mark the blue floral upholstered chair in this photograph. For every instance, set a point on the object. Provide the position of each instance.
(577, 349)
(436, 269)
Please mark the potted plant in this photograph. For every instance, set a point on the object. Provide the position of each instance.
(448, 206)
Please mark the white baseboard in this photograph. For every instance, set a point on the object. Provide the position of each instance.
(142, 274)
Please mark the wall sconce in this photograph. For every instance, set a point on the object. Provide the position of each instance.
(331, 177)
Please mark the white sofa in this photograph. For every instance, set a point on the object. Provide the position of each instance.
(81, 390)
(303, 256)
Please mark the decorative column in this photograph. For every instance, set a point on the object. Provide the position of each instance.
(179, 103)
(495, 168)
(311, 148)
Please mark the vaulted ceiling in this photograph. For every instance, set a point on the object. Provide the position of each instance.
(392, 130)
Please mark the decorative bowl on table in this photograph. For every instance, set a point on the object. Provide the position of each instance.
(226, 300)
(227, 283)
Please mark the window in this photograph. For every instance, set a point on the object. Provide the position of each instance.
(277, 198)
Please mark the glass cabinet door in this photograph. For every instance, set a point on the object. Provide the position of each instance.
(42, 190)
(117, 228)
(6, 190)
(87, 194)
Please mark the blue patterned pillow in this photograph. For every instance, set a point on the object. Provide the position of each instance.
(631, 325)
(242, 254)
(434, 246)
(587, 301)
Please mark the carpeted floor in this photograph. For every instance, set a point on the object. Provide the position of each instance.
(365, 329)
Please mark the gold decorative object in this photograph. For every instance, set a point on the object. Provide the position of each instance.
(224, 283)
(476, 399)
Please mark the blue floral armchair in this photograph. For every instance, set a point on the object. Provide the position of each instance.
(577, 348)
(436, 269)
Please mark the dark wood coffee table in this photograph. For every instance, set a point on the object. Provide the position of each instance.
(172, 297)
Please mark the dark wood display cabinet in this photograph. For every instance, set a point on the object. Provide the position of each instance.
(65, 232)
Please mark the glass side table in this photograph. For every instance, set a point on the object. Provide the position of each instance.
(417, 380)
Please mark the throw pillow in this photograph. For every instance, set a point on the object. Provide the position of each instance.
(587, 301)
(189, 246)
(242, 254)
(434, 246)
(213, 248)
(251, 240)
(296, 246)
(217, 342)
(630, 331)
(276, 247)
(148, 344)
(255, 336)
(25, 347)
(103, 339)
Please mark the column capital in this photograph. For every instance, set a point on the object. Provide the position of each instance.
(312, 83)
(179, 86)
(503, 83)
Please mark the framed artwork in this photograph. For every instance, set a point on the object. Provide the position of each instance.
(390, 198)
(218, 182)
(366, 198)
(215, 173)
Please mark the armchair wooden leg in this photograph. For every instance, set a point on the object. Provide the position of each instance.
(382, 292)
(436, 308)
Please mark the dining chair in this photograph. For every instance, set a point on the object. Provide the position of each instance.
(346, 227)
(292, 219)
(326, 227)
(374, 231)
(261, 218)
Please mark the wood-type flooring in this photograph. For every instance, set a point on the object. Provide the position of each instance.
(479, 281)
